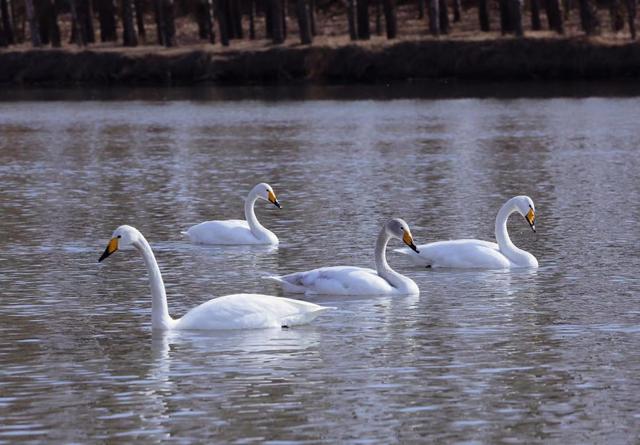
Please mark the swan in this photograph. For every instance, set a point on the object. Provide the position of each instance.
(236, 231)
(237, 311)
(348, 280)
(471, 253)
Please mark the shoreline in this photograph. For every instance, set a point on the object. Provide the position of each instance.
(500, 59)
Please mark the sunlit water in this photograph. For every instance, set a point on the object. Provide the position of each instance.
(547, 355)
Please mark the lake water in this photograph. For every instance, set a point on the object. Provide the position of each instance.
(534, 356)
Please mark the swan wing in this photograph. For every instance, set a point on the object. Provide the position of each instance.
(464, 254)
(249, 311)
(337, 280)
(232, 231)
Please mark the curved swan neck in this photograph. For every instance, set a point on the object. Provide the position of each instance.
(160, 318)
(502, 236)
(384, 270)
(249, 213)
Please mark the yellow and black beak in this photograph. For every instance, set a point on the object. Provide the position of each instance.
(111, 247)
(408, 240)
(273, 200)
(531, 219)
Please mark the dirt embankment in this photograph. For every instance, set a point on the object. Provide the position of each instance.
(496, 59)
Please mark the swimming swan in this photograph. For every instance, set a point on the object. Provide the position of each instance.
(237, 311)
(348, 280)
(471, 253)
(237, 231)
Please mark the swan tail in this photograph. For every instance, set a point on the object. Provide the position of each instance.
(421, 259)
(184, 233)
(305, 317)
(287, 285)
(404, 251)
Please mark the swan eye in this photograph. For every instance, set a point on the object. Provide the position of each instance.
(119, 236)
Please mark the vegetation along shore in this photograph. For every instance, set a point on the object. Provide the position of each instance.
(133, 42)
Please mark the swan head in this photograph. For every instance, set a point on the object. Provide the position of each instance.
(265, 191)
(123, 238)
(525, 207)
(398, 228)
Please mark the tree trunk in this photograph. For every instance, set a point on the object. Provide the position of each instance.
(536, 25)
(208, 16)
(378, 9)
(617, 15)
(420, 9)
(312, 17)
(363, 20)
(554, 16)
(631, 16)
(221, 16)
(19, 22)
(205, 26)
(390, 18)
(210, 21)
(54, 29)
(588, 18)
(42, 8)
(434, 17)
(505, 22)
(236, 19)
(231, 29)
(303, 22)
(139, 7)
(276, 21)
(33, 23)
(268, 18)
(128, 32)
(483, 15)
(285, 14)
(4, 42)
(78, 32)
(159, 16)
(252, 23)
(444, 16)
(567, 5)
(7, 22)
(200, 20)
(107, 18)
(169, 23)
(457, 7)
(87, 15)
(515, 17)
(351, 19)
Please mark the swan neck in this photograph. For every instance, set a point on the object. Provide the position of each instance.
(502, 236)
(382, 267)
(160, 319)
(257, 229)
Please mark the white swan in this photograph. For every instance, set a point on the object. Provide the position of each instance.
(471, 253)
(238, 311)
(347, 280)
(237, 231)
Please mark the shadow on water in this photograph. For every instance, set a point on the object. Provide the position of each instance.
(418, 89)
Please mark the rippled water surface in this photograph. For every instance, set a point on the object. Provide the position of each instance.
(547, 355)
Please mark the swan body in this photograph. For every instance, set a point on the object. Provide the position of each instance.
(248, 311)
(348, 280)
(235, 231)
(237, 311)
(477, 254)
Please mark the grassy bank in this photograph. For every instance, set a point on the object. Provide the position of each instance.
(494, 59)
